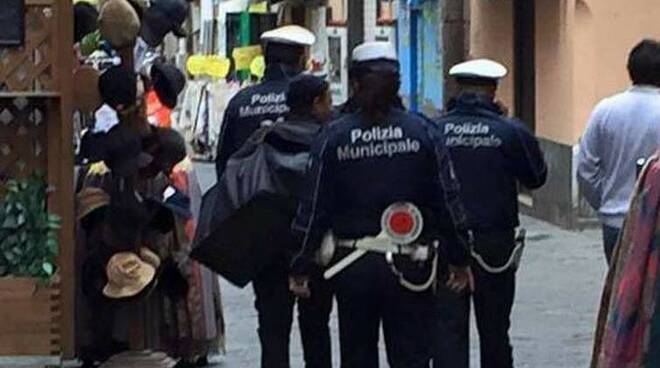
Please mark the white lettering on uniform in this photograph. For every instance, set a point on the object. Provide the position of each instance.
(471, 135)
(268, 104)
(377, 142)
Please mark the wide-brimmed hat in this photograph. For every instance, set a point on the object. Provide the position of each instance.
(163, 17)
(86, 96)
(119, 23)
(168, 81)
(150, 257)
(89, 200)
(128, 275)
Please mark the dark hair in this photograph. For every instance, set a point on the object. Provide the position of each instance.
(303, 90)
(482, 82)
(281, 53)
(378, 92)
(644, 63)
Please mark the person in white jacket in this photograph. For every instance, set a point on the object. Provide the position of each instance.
(622, 129)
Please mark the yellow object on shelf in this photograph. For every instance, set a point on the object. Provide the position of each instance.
(260, 7)
(217, 66)
(208, 65)
(243, 56)
(258, 66)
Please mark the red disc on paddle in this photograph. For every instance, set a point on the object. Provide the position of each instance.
(401, 223)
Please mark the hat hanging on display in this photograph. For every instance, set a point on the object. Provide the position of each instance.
(118, 87)
(119, 24)
(479, 69)
(168, 82)
(85, 20)
(150, 257)
(293, 35)
(86, 95)
(122, 151)
(89, 200)
(163, 17)
(127, 275)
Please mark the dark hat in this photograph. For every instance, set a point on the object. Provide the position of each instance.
(168, 82)
(118, 87)
(85, 20)
(163, 17)
(122, 151)
(303, 89)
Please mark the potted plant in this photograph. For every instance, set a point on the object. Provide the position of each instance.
(28, 251)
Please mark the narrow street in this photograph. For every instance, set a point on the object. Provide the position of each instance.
(558, 293)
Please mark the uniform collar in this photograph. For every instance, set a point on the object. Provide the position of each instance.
(351, 105)
(276, 72)
(470, 101)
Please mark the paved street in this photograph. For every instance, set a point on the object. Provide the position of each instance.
(558, 290)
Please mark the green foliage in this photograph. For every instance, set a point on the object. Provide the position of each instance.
(28, 233)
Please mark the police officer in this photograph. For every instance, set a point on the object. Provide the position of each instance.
(264, 103)
(361, 165)
(492, 154)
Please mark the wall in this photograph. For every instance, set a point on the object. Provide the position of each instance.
(554, 70)
(611, 30)
(491, 36)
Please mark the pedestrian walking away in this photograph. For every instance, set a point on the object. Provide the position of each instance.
(264, 103)
(622, 129)
(369, 178)
(492, 154)
(258, 194)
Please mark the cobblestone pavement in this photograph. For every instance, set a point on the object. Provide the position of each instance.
(558, 292)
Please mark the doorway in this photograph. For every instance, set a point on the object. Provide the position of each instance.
(524, 41)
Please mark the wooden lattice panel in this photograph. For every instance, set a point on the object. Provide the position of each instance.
(30, 68)
(22, 136)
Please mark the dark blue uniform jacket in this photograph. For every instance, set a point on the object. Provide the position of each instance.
(358, 169)
(491, 155)
(253, 107)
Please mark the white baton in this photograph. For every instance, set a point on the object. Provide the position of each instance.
(345, 262)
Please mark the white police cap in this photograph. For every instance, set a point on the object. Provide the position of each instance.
(377, 50)
(294, 35)
(479, 69)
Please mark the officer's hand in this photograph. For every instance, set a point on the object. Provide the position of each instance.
(460, 278)
(299, 286)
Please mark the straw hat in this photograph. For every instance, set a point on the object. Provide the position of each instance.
(86, 95)
(150, 257)
(127, 275)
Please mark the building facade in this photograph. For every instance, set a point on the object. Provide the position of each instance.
(564, 56)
